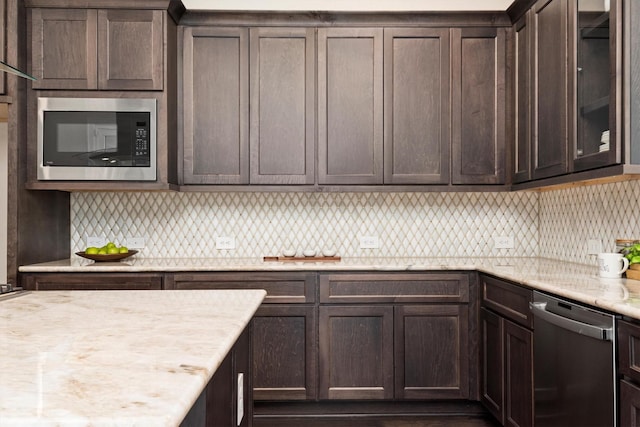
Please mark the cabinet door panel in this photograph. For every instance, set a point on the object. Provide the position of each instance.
(416, 114)
(431, 352)
(282, 105)
(518, 377)
(216, 106)
(522, 109)
(285, 353)
(629, 404)
(478, 105)
(3, 38)
(598, 83)
(350, 119)
(549, 88)
(629, 349)
(356, 352)
(492, 360)
(63, 48)
(130, 49)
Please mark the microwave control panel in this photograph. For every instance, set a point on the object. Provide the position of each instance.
(141, 146)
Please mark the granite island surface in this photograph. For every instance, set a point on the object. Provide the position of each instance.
(117, 358)
(579, 282)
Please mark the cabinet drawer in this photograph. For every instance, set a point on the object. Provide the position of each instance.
(629, 349)
(512, 301)
(393, 287)
(84, 282)
(629, 404)
(280, 287)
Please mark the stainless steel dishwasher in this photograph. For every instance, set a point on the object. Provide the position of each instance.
(575, 379)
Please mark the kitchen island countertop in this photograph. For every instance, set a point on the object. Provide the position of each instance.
(117, 358)
(571, 280)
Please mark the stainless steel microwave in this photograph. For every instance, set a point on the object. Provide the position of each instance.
(102, 139)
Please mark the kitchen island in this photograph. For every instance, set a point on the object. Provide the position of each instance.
(114, 358)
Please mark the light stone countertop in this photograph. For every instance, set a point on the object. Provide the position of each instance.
(575, 281)
(116, 358)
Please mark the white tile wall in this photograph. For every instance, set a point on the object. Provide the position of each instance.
(553, 224)
(568, 218)
(407, 224)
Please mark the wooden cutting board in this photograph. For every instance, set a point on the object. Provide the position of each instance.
(303, 258)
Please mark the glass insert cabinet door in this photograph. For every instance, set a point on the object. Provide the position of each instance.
(596, 84)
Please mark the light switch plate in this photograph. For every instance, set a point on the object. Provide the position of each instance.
(225, 243)
(96, 241)
(369, 242)
(503, 242)
(135, 243)
(594, 246)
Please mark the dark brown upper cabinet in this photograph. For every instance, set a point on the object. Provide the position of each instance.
(127, 65)
(229, 140)
(3, 38)
(550, 86)
(89, 49)
(521, 97)
(478, 125)
(568, 93)
(595, 67)
(417, 104)
(282, 111)
(63, 48)
(215, 105)
(350, 105)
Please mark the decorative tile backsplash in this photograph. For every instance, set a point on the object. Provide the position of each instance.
(407, 224)
(554, 224)
(569, 217)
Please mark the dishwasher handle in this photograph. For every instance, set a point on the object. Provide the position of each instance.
(540, 309)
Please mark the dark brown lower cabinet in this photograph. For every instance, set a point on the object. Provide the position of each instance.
(507, 370)
(431, 351)
(285, 352)
(629, 365)
(394, 352)
(356, 352)
(629, 404)
(396, 336)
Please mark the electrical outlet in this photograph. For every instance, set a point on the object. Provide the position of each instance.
(369, 242)
(96, 241)
(503, 242)
(135, 242)
(594, 246)
(225, 243)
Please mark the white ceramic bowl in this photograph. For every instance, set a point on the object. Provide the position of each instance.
(289, 252)
(328, 252)
(309, 252)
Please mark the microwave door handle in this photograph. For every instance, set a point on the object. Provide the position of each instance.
(539, 309)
